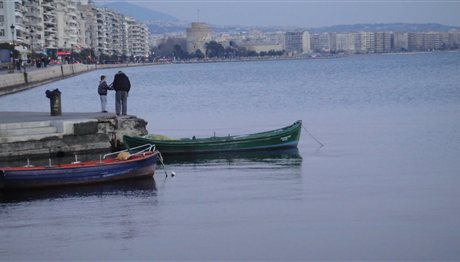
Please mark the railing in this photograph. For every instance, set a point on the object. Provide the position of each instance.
(148, 148)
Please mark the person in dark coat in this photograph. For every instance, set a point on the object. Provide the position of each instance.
(121, 85)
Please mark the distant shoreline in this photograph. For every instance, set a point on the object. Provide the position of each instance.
(20, 81)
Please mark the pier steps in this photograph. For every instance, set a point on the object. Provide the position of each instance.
(15, 132)
(37, 134)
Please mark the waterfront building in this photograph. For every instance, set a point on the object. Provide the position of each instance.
(365, 42)
(454, 39)
(416, 41)
(345, 42)
(332, 41)
(400, 41)
(36, 31)
(382, 41)
(435, 40)
(197, 36)
(90, 27)
(14, 25)
(320, 42)
(260, 47)
(13, 22)
(297, 42)
(65, 26)
(137, 39)
(49, 23)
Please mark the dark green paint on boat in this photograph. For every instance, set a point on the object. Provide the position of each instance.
(287, 137)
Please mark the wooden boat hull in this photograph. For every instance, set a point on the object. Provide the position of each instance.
(79, 173)
(287, 137)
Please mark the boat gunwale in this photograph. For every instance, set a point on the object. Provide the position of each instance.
(79, 165)
(225, 139)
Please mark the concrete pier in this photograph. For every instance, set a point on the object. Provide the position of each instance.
(37, 134)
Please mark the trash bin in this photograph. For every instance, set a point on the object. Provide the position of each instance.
(55, 101)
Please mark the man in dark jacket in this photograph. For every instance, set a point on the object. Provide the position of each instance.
(121, 85)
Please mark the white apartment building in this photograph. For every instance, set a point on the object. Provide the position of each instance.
(70, 25)
(345, 42)
(90, 27)
(365, 42)
(49, 25)
(137, 41)
(34, 17)
(13, 22)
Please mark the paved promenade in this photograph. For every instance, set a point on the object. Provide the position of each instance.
(19, 81)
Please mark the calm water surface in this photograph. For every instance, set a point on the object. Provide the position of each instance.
(384, 186)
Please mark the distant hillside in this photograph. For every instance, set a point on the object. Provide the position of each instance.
(139, 13)
(394, 27)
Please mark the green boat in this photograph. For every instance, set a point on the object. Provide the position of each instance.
(287, 137)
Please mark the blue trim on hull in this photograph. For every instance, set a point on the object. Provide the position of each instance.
(78, 175)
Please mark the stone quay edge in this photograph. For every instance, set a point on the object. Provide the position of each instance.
(37, 134)
(19, 81)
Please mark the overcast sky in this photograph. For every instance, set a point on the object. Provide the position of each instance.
(307, 13)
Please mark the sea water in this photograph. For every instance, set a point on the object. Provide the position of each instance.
(385, 185)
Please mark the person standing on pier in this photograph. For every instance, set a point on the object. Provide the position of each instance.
(102, 90)
(121, 85)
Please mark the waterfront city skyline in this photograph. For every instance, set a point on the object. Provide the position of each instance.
(304, 13)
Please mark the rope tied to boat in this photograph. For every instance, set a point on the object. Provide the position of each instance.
(321, 144)
(160, 157)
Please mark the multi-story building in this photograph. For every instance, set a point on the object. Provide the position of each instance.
(454, 39)
(13, 22)
(400, 41)
(70, 25)
(345, 42)
(435, 40)
(415, 41)
(14, 25)
(90, 27)
(197, 36)
(136, 43)
(67, 25)
(365, 42)
(320, 42)
(297, 42)
(50, 25)
(34, 16)
(382, 42)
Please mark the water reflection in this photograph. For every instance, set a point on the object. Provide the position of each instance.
(283, 157)
(142, 187)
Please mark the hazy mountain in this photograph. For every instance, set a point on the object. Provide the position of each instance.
(139, 13)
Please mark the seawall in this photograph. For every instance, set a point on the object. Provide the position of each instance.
(16, 82)
(37, 134)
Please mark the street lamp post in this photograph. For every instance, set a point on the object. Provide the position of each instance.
(32, 44)
(12, 27)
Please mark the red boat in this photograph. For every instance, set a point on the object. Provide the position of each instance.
(113, 166)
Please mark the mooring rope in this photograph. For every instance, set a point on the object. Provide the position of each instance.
(321, 144)
(162, 164)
